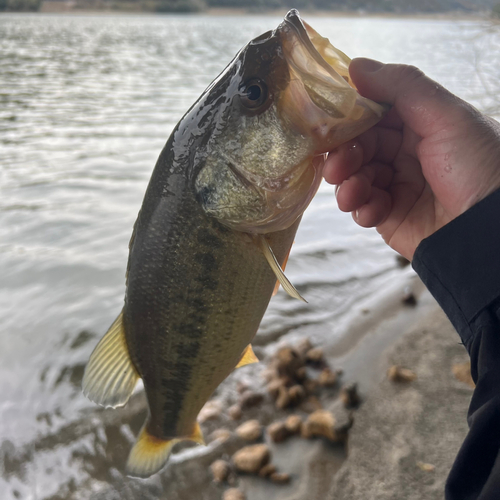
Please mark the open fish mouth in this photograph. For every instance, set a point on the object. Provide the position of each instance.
(294, 103)
(321, 100)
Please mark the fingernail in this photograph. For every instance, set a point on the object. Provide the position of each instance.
(369, 65)
(336, 190)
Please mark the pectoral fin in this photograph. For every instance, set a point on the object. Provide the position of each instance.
(283, 266)
(150, 454)
(110, 377)
(248, 357)
(271, 259)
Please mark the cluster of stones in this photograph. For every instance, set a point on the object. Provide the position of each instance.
(294, 378)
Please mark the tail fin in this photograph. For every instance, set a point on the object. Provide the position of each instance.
(110, 377)
(150, 454)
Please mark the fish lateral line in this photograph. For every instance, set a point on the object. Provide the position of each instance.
(274, 264)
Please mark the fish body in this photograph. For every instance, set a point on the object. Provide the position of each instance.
(218, 219)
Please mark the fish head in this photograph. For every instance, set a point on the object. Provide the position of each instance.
(283, 102)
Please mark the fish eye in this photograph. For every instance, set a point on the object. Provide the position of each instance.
(253, 94)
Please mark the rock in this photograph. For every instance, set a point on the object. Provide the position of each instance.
(320, 423)
(280, 477)
(241, 387)
(277, 431)
(343, 420)
(210, 411)
(296, 394)
(250, 398)
(311, 404)
(274, 387)
(283, 400)
(220, 470)
(301, 374)
(399, 374)
(303, 346)
(461, 372)
(233, 494)
(250, 430)
(267, 470)
(409, 298)
(235, 412)
(327, 378)
(426, 467)
(402, 261)
(293, 423)
(349, 395)
(251, 458)
(287, 361)
(310, 386)
(315, 355)
(220, 434)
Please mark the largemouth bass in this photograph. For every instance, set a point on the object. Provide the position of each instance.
(217, 222)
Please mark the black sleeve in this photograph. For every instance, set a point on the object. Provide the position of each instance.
(460, 265)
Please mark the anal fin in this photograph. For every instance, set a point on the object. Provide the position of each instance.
(273, 262)
(110, 377)
(248, 357)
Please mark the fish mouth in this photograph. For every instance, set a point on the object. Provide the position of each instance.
(321, 100)
(322, 104)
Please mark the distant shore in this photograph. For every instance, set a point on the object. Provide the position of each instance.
(71, 7)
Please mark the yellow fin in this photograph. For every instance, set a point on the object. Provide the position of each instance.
(271, 259)
(248, 357)
(150, 454)
(110, 377)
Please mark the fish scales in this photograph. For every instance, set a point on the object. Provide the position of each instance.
(217, 223)
(182, 312)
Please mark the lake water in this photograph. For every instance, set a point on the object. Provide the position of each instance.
(86, 104)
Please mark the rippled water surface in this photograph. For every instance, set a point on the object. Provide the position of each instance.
(86, 105)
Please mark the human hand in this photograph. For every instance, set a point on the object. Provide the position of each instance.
(429, 160)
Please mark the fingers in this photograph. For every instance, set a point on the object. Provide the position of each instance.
(422, 104)
(375, 211)
(377, 144)
(358, 190)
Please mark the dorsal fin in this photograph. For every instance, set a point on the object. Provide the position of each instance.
(248, 357)
(272, 261)
(110, 377)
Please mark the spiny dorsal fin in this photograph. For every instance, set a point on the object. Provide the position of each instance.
(110, 377)
(248, 357)
(271, 259)
(150, 454)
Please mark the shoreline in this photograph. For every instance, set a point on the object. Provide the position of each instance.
(71, 7)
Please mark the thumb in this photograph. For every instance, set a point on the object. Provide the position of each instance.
(423, 104)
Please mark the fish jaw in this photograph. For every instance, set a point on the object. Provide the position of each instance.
(321, 101)
(292, 102)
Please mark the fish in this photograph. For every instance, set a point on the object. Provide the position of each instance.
(216, 225)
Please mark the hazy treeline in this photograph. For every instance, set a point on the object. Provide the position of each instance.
(390, 6)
